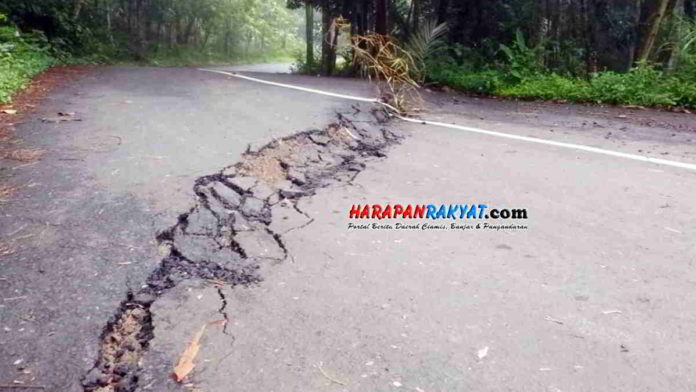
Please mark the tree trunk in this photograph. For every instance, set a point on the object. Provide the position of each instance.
(129, 16)
(676, 9)
(365, 17)
(326, 40)
(442, 8)
(109, 31)
(416, 15)
(249, 37)
(189, 30)
(140, 27)
(309, 33)
(407, 25)
(381, 17)
(179, 30)
(653, 27)
(226, 40)
(589, 7)
(633, 45)
(207, 33)
(690, 8)
(333, 45)
(77, 9)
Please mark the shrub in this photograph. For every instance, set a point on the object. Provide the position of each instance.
(683, 92)
(300, 65)
(462, 78)
(523, 61)
(550, 86)
(643, 85)
(21, 57)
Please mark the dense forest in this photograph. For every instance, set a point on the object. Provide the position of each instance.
(138, 29)
(619, 51)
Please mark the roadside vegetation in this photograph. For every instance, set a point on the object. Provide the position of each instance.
(21, 57)
(620, 52)
(624, 52)
(39, 33)
(519, 71)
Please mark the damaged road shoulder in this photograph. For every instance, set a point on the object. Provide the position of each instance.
(236, 226)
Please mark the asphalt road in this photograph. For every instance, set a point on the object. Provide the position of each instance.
(83, 225)
(595, 295)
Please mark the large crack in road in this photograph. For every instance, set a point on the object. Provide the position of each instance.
(230, 233)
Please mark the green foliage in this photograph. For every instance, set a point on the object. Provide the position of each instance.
(551, 86)
(463, 78)
(423, 43)
(686, 50)
(155, 31)
(522, 60)
(644, 85)
(21, 57)
(300, 65)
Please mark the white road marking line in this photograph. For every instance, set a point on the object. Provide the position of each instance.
(290, 86)
(580, 147)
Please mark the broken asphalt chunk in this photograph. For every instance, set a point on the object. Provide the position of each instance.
(319, 139)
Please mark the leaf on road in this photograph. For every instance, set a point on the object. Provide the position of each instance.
(9, 111)
(218, 323)
(185, 364)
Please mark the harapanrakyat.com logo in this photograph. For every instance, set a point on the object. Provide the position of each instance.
(474, 216)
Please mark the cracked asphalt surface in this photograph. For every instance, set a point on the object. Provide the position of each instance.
(83, 226)
(140, 197)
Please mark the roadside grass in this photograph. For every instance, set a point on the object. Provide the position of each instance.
(644, 86)
(19, 62)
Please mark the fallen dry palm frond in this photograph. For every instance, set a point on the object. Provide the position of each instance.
(380, 58)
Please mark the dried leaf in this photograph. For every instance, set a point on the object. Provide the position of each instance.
(185, 364)
(9, 111)
(220, 323)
